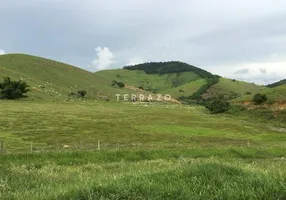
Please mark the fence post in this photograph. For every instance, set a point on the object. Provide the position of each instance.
(98, 145)
(31, 147)
(2, 146)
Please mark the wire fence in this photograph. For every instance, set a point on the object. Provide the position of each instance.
(8, 147)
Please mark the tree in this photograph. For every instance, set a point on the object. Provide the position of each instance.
(13, 89)
(82, 93)
(217, 106)
(259, 98)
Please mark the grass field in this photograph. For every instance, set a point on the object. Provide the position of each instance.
(147, 151)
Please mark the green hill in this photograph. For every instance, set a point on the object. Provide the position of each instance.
(55, 80)
(232, 89)
(175, 78)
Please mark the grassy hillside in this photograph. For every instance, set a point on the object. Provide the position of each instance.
(184, 81)
(175, 84)
(54, 80)
(232, 89)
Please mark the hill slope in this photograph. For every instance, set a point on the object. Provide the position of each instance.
(54, 80)
(282, 82)
(181, 81)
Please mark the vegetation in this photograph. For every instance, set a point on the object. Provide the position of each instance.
(82, 93)
(168, 68)
(229, 153)
(217, 106)
(91, 149)
(210, 82)
(259, 98)
(140, 175)
(52, 81)
(119, 84)
(13, 89)
(282, 82)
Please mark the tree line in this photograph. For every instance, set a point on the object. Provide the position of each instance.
(169, 67)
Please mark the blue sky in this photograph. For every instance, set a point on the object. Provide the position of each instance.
(237, 39)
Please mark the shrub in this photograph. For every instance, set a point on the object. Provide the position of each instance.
(259, 98)
(217, 106)
(13, 89)
(120, 84)
(114, 82)
(82, 93)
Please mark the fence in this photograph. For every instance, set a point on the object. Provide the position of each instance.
(100, 145)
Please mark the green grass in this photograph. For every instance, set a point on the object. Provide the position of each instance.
(139, 175)
(147, 150)
(171, 84)
(127, 125)
(54, 80)
(234, 89)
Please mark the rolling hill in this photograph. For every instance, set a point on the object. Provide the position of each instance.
(55, 80)
(186, 82)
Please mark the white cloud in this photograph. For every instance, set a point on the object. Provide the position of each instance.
(260, 72)
(104, 59)
(2, 52)
(135, 61)
(263, 71)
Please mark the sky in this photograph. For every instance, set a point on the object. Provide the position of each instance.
(241, 39)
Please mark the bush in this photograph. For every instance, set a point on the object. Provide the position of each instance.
(217, 106)
(81, 93)
(259, 98)
(119, 84)
(13, 89)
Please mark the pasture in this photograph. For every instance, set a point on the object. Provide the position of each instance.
(117, 150)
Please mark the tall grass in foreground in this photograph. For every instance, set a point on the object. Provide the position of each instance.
(162, 174)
